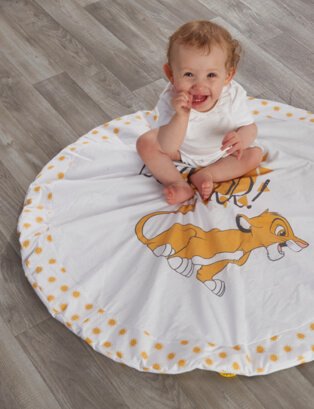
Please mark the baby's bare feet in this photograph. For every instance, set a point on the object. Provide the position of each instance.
(204, 183)
(178, 192)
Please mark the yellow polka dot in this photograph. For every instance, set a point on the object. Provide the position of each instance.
(76, 294)
(274, 357)
(251, 98)
(116, 130)
(50, 297)
(312, 347)
(196, 350)
(159, 345)
(171, 355)
(52, 261)
(289, 114)
(211, 344)
(156, 367)
(85, 143)
(40, 207)
(95, 132)
(155, 117)
(138, 117)
(105, 125)
(300, 335)
(255, 112)
(96, 331)
(302, 118)
(49, 238)
(27, 263)
(104, 137)
(276, 108)
(107, 344)
(34, 285)
(133, 342)
(39, 219)
(223, 355)
(237, 348)
(144, 355)
(274, 338)
(49, 196)
(301, 358)
(50, 167)
(38, 250)
(312, 326)
(63, 270)
(68, 324)
(37, 189)
(184, 342)
(312, 120)
(260, 349)
(52, 279)
(25, 244)
(209, 361)
(75, 317)
(26, 225)
(147, 333)
(38, 269)
(235, 366)
(63, 307)
(64, 288)
(127, 123)
(89, 306)
(122, 331)
(60, 175)
(260, 370)
(112, 322)
(89, 341)
(287, 348)
(101, 311)
(264, 103)
(181, 362)
(86, 320)
(61, 158)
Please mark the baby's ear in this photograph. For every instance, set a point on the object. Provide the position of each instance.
(231, 73)
(168, 72)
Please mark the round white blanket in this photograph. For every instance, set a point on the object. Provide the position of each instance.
(224, 285)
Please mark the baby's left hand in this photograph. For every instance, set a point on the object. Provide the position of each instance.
(233, 141)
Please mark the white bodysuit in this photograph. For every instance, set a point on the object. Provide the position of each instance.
(206, 130)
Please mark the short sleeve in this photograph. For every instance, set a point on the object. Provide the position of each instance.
(240, 112)
(163, 111)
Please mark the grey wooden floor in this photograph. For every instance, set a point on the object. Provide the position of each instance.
(67, 66)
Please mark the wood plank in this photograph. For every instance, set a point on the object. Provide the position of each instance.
(21, 386)
(64, 362)
(72, 103)
(28, 59)
(20, 307)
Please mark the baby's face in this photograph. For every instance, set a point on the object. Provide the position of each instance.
(200, 74)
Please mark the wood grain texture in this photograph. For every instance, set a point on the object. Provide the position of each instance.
(66, 66)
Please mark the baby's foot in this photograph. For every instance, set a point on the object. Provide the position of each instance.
(178, 192)
(204, 183)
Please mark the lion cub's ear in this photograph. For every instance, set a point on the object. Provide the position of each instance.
(243, 223)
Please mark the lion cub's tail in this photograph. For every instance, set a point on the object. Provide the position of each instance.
(140, 225)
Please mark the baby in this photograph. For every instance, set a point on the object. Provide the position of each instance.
(203, 119)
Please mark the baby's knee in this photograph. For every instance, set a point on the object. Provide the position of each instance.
(255, 156)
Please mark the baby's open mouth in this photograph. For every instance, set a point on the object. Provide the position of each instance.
(198, 99)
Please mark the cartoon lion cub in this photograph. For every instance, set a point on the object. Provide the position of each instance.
(189, 248)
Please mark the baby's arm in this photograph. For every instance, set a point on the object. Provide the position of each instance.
(240, 139)
(170, 136)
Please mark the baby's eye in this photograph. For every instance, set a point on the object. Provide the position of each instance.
(188, 74)
(211, 75)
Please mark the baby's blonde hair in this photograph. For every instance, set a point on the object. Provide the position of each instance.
(203, 34)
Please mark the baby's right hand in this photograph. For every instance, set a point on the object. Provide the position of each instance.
(182, 103)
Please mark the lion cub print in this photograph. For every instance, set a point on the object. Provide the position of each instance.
(190, 249)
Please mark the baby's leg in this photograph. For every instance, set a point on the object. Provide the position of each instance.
(161, 165)
(225, 169)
